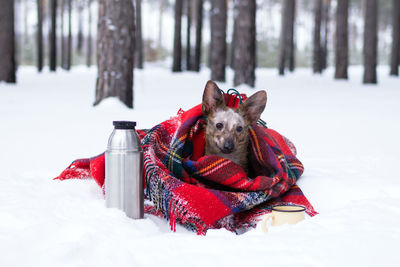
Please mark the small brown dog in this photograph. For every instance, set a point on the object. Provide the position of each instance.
(227, 128)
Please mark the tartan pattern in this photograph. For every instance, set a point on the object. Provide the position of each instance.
(212, 192)
(208, 192)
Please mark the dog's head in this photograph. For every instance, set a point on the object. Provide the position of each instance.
(227, 128)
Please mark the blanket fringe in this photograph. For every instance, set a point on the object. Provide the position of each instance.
(78, 169)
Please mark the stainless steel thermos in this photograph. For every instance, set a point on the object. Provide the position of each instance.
(124, 170)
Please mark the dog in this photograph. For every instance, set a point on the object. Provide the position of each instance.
(226, 131)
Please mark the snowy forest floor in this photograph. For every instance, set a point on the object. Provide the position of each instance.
(346, 134)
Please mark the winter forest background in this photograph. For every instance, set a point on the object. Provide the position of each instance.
(187, 35)
(330, 70)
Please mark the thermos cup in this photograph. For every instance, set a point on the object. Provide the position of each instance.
(124, 170)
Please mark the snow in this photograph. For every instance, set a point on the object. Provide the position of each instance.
(346, 135)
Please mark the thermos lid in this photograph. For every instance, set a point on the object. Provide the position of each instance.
(126, 125)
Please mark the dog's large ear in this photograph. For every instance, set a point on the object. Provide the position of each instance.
(252, 108)
(212, 98)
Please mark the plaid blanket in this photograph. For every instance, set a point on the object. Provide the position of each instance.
(209, 192)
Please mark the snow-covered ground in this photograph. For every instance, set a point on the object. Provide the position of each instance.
(347, 136)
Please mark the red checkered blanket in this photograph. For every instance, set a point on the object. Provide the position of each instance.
(209, 192)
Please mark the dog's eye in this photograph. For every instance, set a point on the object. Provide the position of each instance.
(219, 126)
(239, 129)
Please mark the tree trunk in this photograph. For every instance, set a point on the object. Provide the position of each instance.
(115, 51)
(139, 39)
(395, 54)
(370, 41)
(62, 33)
(290, 42)
(325, 18)
(69, 39)
(245, 43)
(189, 64)
(218, 40)
(232, 45)
(7, 42)
(25, 19)
(79, 41)
(342, 39)
(160, 21)
(177, 54)
(89, 38)
(40, 35)
(199, 30)
(53, 37)
(317, 49)
(286, 42)
(282, 39)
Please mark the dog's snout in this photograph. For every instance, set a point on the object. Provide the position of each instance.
(229, 146)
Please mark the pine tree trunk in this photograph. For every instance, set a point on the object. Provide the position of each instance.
(317, 49)
(232, 45)
(40, 35)
(25, 19)
(7, 42)
(245, 43)
(370, 41)
(286, 42)
(199, 30)
(290, 37)
(282, 39)
(325, 18)
(342, 39)
(89, 38)
(69, 38)
(395, 54)
(53, 36)
(160, 21)
(218, 40)
(62, 33)
(139, 39)
(79, 41)
(189, 64)
(115, 51)
(177, 53)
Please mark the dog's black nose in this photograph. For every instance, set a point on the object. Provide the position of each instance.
(228, 146)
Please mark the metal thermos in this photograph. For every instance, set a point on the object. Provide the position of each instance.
(124, 170)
